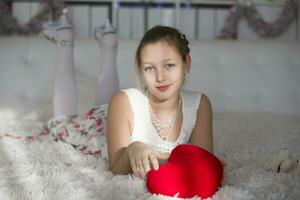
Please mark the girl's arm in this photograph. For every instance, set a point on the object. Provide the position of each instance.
(118, 133)
(126, 157)
(202, 135)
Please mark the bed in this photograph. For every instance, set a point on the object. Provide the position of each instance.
(254, 87)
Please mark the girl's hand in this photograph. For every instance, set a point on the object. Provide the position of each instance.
(141, 155)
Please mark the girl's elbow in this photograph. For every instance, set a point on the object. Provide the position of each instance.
(112, 168)
(117, 171)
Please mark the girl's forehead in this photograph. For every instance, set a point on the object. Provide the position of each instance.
(160, 44)
(159, 49)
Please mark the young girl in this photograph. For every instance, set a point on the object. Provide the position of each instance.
(145, 124)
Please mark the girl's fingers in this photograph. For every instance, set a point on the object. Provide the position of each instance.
(163, 156)
(154, 161)
(146, 163)
(140, 167)
(133, 166)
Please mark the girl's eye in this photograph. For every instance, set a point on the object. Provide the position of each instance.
(149, 68)
(169, 66)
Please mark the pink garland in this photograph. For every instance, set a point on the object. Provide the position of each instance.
(256, 21)
(47, 9)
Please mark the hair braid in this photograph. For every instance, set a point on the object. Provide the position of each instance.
(186, 42)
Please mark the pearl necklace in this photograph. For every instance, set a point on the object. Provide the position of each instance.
(163, 127)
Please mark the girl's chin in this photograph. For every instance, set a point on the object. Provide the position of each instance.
(162, 96)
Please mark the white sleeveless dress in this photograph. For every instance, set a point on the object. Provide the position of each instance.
(145, 132)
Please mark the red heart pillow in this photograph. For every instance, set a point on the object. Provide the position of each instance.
(190, 171)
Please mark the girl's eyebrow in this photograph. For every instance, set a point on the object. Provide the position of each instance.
(147, 63)
(169, 59)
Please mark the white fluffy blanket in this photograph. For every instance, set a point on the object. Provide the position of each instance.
(46, 169)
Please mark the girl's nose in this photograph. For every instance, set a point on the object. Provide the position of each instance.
(160, 75)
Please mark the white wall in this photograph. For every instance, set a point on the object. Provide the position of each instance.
(236, 75)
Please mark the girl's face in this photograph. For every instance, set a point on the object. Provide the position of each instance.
(162, 69)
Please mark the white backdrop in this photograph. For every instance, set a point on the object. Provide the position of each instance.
(237, 76)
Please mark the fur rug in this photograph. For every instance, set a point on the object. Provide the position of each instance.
(45, 169)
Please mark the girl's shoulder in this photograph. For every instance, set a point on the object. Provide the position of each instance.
(135, 95)
(119, 99)
(133, 91)
(190, 93)
(191, 99)
(124, 94)
(194, 99)
(130, 99)
(119, 107)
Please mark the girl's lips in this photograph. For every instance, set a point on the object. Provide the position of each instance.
(163, 87)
